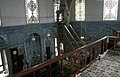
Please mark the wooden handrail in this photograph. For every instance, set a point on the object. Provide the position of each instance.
(62, 56)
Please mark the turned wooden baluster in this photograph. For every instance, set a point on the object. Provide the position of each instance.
(85, 57)
(78, 62)
(71, 66)
(61, 68)
(91, 54)
(50, 71)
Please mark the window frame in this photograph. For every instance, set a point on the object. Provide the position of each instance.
(81, 16)
(34, 14)
(111, 9)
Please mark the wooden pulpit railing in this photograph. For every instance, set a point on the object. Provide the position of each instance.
(71, 63)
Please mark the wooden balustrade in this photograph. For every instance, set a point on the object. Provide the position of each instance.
(80, 58)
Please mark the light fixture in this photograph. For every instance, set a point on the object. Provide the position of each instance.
(33, 38)
(48, 35)
(82, 37)
(14, 52)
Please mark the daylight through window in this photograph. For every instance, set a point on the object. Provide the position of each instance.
(80, 10)
(0, 21)
(32, 11)
(57, 7)
(56, 49)
(110, 10)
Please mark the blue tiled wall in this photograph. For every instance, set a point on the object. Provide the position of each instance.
(97, 29)
(16, 36)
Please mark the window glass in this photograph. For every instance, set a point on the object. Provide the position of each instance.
(80, 10)
(1, 65)
(56, 50)
(32, 11)
(110, 10)
(57, 7)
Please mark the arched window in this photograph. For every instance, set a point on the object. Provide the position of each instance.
(32, 11)
(56, 7)
(80, 10)
(0, 21)
(110, 10)
(56, 47)
(0, 18)
(4, 71)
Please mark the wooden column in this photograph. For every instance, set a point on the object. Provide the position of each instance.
(85, 57)
(34, 74)
(50, 70)
(102, 46)
(61, 68)
(91, 54)
(71, 66)
(78, 62)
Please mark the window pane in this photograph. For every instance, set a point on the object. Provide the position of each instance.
(80, 10)
(1, 68)
(110, 10)
(0, 59)
(0, 21)
(57, 7)
(56, 50)
(32, 11)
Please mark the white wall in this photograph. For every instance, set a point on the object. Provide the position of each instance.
(94, 10)
(46, 11)
(13, 12)
(72, 11)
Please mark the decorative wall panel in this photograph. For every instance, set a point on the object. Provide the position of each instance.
(79, 10)
(96, 30)
(110, 9)
(29, 39)
(32, 11)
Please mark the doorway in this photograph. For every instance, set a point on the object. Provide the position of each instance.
(48, 52)
(17, 63)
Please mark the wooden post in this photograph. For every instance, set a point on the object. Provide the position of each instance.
(91, 54)
(85, 57)
(105, 44)
(107, 41)
(78, 62)
(102, 46)
(50, 70)
(71, 66)
(61, 68)
(114, 43)
(34, 74)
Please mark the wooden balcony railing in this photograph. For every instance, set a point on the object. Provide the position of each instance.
(71, 63)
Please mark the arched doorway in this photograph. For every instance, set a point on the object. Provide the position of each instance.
(33, 52)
